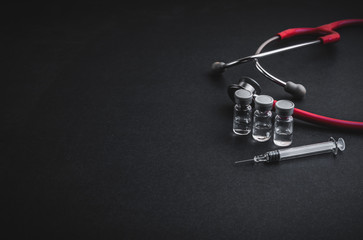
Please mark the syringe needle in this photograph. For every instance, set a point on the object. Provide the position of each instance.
(244, 161)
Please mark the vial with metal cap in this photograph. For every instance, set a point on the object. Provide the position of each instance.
(284, 123)
(262, 118)
(242, 113)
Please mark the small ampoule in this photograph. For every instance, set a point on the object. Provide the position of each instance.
(242, 113)
(283, 123)
(262, 118)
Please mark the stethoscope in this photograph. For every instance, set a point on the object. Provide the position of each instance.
(327, 35)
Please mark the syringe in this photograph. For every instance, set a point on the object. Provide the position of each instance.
(298, 152)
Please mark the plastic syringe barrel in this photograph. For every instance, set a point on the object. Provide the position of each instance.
(304, 151)
(307, 150)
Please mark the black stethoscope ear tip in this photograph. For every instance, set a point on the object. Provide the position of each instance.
(244, 83)
(298, 91)
(218, 67)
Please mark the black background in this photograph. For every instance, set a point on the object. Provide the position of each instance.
(112, 127)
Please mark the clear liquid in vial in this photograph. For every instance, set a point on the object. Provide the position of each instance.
(261, 133)
(282, 139)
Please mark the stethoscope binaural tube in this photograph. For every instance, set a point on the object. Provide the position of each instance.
(327, 34)
(296, 90)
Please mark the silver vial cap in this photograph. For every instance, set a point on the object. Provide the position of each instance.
(284, 107)
(243, 97)
(264, 102)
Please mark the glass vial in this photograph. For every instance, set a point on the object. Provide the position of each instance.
(284, 123)
(242, 113)
(262, 118)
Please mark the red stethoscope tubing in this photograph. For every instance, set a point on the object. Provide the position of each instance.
(327, 30)
(326, 121)
(329, 36)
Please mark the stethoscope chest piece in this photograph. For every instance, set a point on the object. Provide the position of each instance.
(244, 83)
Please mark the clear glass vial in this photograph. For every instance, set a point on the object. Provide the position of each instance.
(242, 113)
(262, 118)
(284, 123)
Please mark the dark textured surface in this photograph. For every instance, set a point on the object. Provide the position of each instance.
(112, 127)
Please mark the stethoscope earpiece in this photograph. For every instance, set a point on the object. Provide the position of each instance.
(296, 90)
(218, 67)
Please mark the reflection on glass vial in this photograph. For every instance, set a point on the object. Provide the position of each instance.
(283, 131)
(242, 119)
(262, 118)
(262, 125)
(283, 123)
(242, 113)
